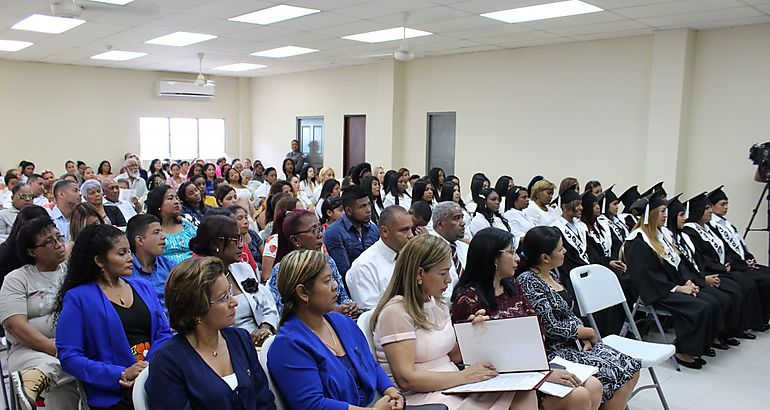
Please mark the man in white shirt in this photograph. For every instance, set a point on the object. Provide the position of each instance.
(112, 198)
(370, 273)
(36, 183)
(66, 195)
(449, 225)
(134, 177)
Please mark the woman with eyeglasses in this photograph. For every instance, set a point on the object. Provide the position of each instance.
(109, 324)
(21, 196)
(218, 236)
(209, 361)
(28, 294)
(164, 204)
(9, 259)
(300, 229)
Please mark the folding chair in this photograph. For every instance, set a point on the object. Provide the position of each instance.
(138, 394)
(363, 324)
(597, 288)
(639, 306)
(263, 361)
(3, 379)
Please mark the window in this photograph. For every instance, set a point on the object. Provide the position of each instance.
(181, 138)
(310, 133)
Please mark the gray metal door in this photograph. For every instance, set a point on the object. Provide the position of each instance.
(441, 141)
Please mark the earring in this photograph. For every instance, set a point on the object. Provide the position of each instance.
(419, 281)
(198, 320)
(216, 250)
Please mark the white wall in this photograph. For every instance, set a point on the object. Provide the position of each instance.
(50, 112)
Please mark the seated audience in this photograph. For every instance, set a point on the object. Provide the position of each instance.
(109, 325)
(331, 188)
(218, 236)
(372, 187)
(449, 225)
(422, 190)
(11, 180)
(437, 176)
(21, 197)
(347, 238)
(451, 192)
(226, 196)
(488, 213)
(66, 195)
(253, 244)
(301, 196)
(414, 339)
(396, 191)
(192, 203)
(540, 210)
(189, 370)
(37, 184)
(163, 203)
(147, 242)
(104, 171)
(544, 252)
(175, 179)
(26, 314)
(421, 213)
(9, 259)
(488, 285)
(83, 214)
(371, 272)
(331, 211)
(308, 182)
(516, 202)
(279, 204)
(111, 191)
(134, 177)
(91, 191)
(320, 359)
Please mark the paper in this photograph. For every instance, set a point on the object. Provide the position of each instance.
(127, 194)
(511, 345)
(503, 382)
(581, 371)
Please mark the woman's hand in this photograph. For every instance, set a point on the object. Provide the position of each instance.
(587, 345)
(479, 317)
(258, 336)
(712, 280)
(564, 378)
(385, 403)
(479, 372)
(588, 333)
(397, 399)
(618, 266)
(128, 376)
(349, 309)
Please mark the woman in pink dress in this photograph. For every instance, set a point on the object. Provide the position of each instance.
(414, 339)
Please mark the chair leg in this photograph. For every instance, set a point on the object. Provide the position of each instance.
(5, 390)
(658, 388)
(665, 339)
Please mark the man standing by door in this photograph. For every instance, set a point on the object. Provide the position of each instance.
(297, 156)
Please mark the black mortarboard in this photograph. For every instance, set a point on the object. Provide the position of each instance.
(696, 206)
(717, 195)
(629, 196)
(588, 199)
(532, 183)
(675, 206)
(656, 188)
(606, 198)
(569, 195)
(644, 204)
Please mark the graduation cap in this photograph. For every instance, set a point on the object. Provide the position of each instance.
(533, 181)
(656, 188)
(717, 195)
(696, 206)
(648, 202)
(569, 195)
(629, 196)
(588, 199)
(675, 206)
(607, 197)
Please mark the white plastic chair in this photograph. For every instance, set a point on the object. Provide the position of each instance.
(363, 324)
(263, 362)
(138, 394)
(597, 288)
(639, 306)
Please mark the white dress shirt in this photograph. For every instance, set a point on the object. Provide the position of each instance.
(370, 274)
(480, 222)
(5, 198)
(540, 217)
(138, 185)
(518, 221)
(403, 201)
(7, 218)
(462, 255)
(40, 200)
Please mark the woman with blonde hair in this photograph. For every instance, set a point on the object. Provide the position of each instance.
(412, 314)
(540, 211)
(320, 358)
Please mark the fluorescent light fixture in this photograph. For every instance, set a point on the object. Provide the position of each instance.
(13, 45)
(543, 11)
(116, 2)
(274, 14)
(390, 34)
(286, 51)
(47, 24)
(116, 55)
(239, 67)
(180, 39)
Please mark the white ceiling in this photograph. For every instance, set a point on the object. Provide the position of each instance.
(457, 26)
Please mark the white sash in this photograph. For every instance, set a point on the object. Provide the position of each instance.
(731, 237)
(603, 237)
(577, 241)
(671, 257)
(686, 248)
(616, 225)
(710, 237)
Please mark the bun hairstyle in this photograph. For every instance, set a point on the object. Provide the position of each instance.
(538, 241)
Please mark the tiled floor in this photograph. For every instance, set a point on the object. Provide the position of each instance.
(737, 379)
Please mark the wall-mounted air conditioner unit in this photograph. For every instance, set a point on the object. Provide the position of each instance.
(185, 89)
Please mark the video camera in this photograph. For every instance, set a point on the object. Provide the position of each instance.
(760, 156)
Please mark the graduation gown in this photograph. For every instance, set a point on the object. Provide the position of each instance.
(710, 256)
(694, 318)
(576, 246)
(610, 320)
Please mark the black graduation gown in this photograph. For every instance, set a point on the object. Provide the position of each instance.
(694, 318)
(708, 261)
(610, 320)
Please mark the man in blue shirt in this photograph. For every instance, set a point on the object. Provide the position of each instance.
(352, 234)
(147, 242)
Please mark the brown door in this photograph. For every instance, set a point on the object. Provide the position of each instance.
(354, 141)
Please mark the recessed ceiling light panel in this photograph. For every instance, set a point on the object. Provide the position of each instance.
(13, 45)
(282, 52)
(390, 34)
(47, 24)
(117, 55)
(274, 14)
(180, 39)
(116, 2)
(239, 67)
(543, 11)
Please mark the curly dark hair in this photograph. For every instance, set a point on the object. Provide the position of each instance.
(94, 240)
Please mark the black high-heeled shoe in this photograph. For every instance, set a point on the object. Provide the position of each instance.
(748, 336)
(720, 346)
(731, 341)
(761, 328)
(710, 352)
(695, 364)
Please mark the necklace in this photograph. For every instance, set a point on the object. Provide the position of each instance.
(213, 352)
(331, 334)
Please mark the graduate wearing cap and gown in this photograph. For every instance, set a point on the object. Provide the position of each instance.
(627, 198)
(710, 254)
(740, 308)
(574, 235)
(653, 263)
(609, 218)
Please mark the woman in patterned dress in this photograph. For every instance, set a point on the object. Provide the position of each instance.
(543, 252)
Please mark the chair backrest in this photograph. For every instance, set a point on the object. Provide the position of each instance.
(138, 394)
(363, 324)
(596, 288)
(263, 362)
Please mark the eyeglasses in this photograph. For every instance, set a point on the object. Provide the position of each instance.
(52, 242)
(511, 251)
(224, 299)
(237, 240)
(315, 230)
(25, 197)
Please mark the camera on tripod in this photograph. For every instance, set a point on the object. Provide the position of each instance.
(760, 156)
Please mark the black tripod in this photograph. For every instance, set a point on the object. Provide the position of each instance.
(766, 196)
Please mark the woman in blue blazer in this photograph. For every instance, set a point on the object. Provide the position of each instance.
(109, 325)
(208, 363)
(320, 359)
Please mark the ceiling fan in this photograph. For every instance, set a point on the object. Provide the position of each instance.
(75, 8)
(403, 53)
(201, 81)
